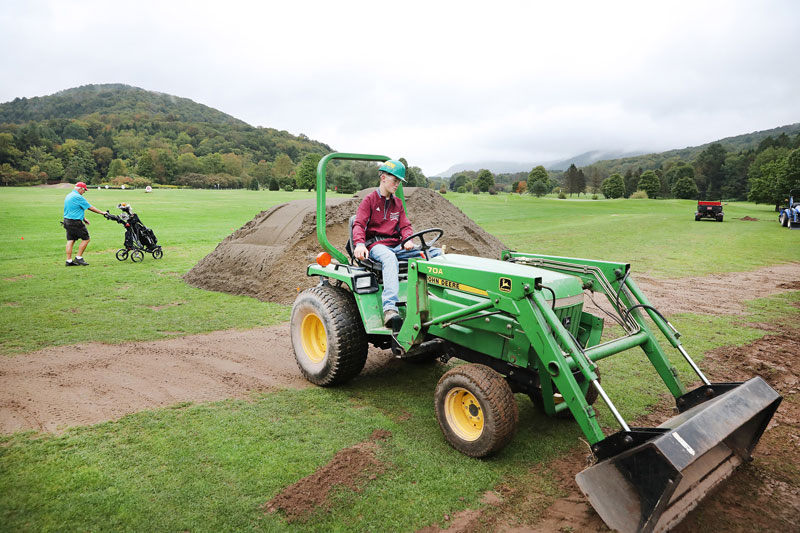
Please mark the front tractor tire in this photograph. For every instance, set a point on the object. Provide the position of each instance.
(328, 337)
(476, 410)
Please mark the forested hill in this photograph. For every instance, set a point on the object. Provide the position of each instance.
(736, 144)
(111, 99)
(121, 134)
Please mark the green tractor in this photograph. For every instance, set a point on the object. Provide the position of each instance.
(520, 325)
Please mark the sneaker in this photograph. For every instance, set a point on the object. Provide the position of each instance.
(72, 264)
(388, 316)
(80, 261)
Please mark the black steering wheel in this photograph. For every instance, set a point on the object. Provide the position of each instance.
(425, 245)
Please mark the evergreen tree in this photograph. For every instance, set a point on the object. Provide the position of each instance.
(485, 180)
(650, 183)
(613, 186)
(307, 172)
(684, 188)
(538, 174)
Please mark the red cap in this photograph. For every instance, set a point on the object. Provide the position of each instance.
(82, 185)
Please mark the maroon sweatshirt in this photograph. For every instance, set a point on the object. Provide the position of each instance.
(380, 218)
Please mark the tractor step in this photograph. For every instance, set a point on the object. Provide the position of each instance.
(650, 479)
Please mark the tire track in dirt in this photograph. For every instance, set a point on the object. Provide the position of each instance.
(58, 387)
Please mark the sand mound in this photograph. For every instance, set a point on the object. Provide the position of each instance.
(266, 258)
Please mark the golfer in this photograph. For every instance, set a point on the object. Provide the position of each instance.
(75, 206)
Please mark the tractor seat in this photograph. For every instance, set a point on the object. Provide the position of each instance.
(373, 266)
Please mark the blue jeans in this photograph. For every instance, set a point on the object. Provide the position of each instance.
(388, 258)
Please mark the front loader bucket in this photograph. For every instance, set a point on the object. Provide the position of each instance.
(648, 479)
(794, 224)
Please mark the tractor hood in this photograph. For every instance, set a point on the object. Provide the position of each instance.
(497, 276)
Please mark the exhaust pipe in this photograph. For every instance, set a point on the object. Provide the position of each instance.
(648, 479)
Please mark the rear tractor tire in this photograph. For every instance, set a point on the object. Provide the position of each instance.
(784, 220)
(328, 337)
(476, 410)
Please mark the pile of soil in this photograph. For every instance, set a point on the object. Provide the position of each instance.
(266, 257)
(350, 468)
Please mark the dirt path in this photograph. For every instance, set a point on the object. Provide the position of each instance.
(59, 387)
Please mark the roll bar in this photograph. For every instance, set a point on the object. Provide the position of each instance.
(322, 236)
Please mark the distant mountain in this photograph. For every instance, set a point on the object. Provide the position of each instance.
(735, 144)
(510, 167)
(618, 161)
(110, 99)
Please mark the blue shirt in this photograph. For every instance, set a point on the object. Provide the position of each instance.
(75, 206)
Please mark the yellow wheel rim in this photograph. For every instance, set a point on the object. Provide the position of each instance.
(464, 414)
(315, 341)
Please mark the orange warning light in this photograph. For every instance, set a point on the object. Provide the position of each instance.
(324, 259)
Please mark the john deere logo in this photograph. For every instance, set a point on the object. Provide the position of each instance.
(390, 164)
(505, 284)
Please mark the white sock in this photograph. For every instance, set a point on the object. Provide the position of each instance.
(78, 257)
(69, 260)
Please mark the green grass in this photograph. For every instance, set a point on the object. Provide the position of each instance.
(210, 467)
(42, 303)
(659, 237)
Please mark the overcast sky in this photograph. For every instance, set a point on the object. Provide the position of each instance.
(436, 82)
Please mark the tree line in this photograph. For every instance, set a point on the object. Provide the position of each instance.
(763, 174)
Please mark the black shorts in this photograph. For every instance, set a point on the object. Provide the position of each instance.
(76, 229)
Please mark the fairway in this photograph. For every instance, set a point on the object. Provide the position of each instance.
(45, 304)
(214, 466)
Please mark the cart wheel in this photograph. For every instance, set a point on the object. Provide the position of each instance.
(784, 220)
(122, 254)
(476, 410)
(157, 253)
(137, 256)
(328, 337)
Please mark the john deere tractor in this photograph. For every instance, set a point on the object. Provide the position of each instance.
(520, 325)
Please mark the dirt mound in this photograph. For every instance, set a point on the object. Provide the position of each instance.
(266, 257)
(349, 468)
(748, 218)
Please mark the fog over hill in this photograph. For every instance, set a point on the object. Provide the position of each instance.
(744, 141)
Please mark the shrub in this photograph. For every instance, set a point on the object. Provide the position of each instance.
(462, 189)
(122, 180)
(443, 190)
(639, 195)
(287, 184)
(594, 197)
(561, 195)
(492, 190)
(141, 182)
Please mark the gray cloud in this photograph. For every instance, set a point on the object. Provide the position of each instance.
(438, 83)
